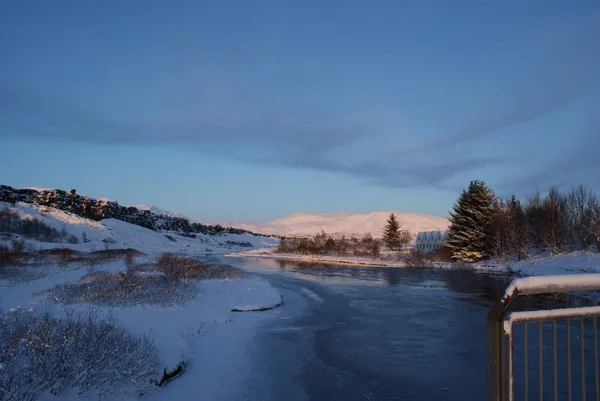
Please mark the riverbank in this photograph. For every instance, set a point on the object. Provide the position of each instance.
(197, 326)
(578, 262)
(268, 253)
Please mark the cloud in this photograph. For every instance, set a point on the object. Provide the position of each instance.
(306, 144)
(573, 164)
(565, 70)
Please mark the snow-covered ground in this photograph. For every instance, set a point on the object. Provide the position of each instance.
(116, 234)
(209, 333)
(578, 262)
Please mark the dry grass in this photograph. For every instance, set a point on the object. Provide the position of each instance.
(181, 268)
(171, 281)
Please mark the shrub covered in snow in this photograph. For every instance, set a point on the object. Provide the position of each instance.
(43, 353)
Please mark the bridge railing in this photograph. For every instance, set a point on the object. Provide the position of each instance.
(551, 353)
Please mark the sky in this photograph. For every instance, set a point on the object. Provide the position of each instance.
(252, 110)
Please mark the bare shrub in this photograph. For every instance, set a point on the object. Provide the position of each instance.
(42, 353)
(416, 258)
(129, 259)
(184, 269)
(20, 253)
(5, 256)
(323, 244)
(122, 289)
(64, 255)
(169, 265)
(12, 223)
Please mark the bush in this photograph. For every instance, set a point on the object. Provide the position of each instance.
(20, 253)
(120, 289)
(184, 269)
(129, 259)
(322, 244)
(42, 353)
(242, 244)
(128, 288)
(12, 223)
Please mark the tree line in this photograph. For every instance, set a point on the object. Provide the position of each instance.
(486, 226)
(393, 238)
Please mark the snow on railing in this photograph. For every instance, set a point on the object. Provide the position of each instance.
(550, 284)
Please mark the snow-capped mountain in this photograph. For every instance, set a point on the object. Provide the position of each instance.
(348, 223)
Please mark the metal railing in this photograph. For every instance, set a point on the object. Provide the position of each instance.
(550, 353)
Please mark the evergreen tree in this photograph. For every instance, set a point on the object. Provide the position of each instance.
(468, 235)
(391, 233)
(517, 235)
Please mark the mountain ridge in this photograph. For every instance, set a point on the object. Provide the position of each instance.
(345, 223)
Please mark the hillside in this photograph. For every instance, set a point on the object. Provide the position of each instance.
(338, 223)
(99, 209)
(89, 235)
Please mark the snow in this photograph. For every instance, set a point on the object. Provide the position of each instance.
(205, 332)
(579, 262)
(209, 332)
(550, 284)
(159, 211)
(119, 234)
(338, 223)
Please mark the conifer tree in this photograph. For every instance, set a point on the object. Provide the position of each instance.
(391, 233)
(470, 223)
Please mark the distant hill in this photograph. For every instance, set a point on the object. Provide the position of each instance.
(99, 209)
(338, 223)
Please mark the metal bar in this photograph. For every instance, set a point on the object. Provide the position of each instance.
(505, 369)
(553, 314)
(511, 348)
(541, 353)
(496, 356)
(525, 364)
(596, 357)
(555, 363)
(582, 342)
(569, 358)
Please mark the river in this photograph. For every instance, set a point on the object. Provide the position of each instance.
(371, 333)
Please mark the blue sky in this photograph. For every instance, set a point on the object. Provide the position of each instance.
(250, 110)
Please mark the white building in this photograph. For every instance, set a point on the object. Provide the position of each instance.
(428, 241)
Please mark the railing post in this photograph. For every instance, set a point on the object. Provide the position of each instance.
(495, 351)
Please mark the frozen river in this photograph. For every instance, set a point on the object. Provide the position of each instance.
(370, 333)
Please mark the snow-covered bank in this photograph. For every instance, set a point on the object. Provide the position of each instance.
(346, 260)
(112, 233)
(206, 332)
(579, 262)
